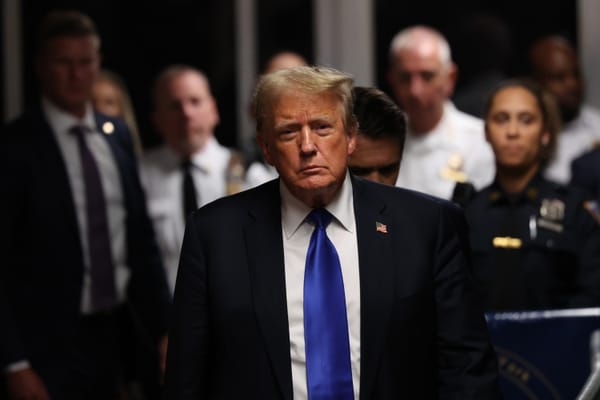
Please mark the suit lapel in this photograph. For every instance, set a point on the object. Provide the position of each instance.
(376, 281)
(51, 175)
(125, 161)
(264, 246)
(122, 159)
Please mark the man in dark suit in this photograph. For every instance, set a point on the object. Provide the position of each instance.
(320, 285)
(585, 172)
(76, 240)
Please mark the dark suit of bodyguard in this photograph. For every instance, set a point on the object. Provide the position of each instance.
(585, 172)
(56, 340)
(42, 267)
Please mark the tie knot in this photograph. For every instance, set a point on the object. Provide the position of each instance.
(320, 217)
(78, 130)
(186, 164)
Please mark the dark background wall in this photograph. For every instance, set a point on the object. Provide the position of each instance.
(142, 37)
(525, 21)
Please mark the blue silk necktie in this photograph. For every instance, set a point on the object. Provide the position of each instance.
(328, 370)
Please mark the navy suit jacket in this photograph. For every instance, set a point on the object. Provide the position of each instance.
(586, 172)
(422, 333)
(41, 271)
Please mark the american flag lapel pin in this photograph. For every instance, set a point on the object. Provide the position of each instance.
(381, 228)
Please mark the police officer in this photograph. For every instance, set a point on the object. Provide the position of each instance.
(535, 245)
(585, 172)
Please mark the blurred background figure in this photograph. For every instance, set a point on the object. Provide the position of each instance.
(444, 145)
(111, 97)
(554, 64)
(534, 244)
(191, 168)
(80, 261)
(482, 48)
(585, 172)
(259, 171)
(380, 139)
(283, 59)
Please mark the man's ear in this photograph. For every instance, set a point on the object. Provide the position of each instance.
(451, 79)
(352, 140)
(264, 147)
(215, 109)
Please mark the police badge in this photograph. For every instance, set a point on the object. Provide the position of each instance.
(453, 170)
(552, 212)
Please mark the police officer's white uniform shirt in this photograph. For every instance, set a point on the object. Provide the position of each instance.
(162, 178)
(576, 138)
(426, 156)
(259, 173)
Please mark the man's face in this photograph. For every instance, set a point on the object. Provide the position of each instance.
(559, 73)
(185, 113)
(376, 159)
(67, 67)
(305, 139)
(421, 85)
(515, 129)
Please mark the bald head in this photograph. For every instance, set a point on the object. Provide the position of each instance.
(555, 66)
(421, 75)
(424, 40)
(284, 59)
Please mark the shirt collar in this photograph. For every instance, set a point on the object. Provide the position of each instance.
(210, 155)
(61, 121)
(530, 193)
(294, 212)
(203, 160)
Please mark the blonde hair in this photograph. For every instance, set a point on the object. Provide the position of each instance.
(127, 111)
(307, 79)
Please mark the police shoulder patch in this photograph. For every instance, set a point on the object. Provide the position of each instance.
(593, 207)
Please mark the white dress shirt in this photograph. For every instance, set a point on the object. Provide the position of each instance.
(61, 122)
(428, 158)
(296, 237)
(576, 138)
(162, 179)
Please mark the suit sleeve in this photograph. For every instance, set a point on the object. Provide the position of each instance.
(467, 365)
(12, 199)
(189, 338)
(588, 273)
(582, 174)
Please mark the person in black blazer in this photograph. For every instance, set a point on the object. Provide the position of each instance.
(585, 172)
(415, 328)
(56, 341)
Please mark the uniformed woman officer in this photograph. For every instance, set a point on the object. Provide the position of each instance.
(535, 246)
